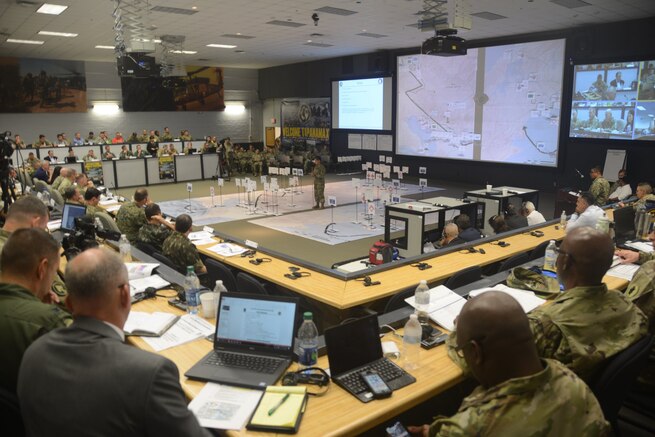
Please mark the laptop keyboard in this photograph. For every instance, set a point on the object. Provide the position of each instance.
(254, 363)
(387, 371)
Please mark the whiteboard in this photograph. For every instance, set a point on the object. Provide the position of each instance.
(614, 161)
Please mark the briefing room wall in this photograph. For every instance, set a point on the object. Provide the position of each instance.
(103, 84)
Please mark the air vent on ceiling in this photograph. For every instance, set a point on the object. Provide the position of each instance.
(203, 59)
(371, 35)
(317, 44)
(236, 36)
(239, 51)
(488, 16)
(285, 23)
(27, 3)
(571, 4)
(171, 10)
(335, 11)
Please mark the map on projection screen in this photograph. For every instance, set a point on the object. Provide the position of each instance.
(497, 104)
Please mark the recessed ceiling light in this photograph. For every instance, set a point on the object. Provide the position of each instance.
(222, 46)
(24, 41)
(67, 35)
(156, 41)
(309, 40)
(194, 7)
(105, 47)
(184, 52)
(51, 9)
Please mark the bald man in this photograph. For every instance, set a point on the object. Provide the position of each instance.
(450, 236)
(519, 394)
(84, 380)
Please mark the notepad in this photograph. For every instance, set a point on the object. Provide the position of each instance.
(275, 413)
(444, 307)
(149, 324)
(526, 298)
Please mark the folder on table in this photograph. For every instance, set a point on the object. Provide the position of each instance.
(280, 409)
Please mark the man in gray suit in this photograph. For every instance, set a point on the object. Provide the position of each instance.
(84, 380)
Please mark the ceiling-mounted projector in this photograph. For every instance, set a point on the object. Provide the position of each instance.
(444, 43)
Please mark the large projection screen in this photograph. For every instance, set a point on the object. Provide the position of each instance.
(496, 104)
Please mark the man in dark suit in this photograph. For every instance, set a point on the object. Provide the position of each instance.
(466, 231)
(514, 220)
(84, 380)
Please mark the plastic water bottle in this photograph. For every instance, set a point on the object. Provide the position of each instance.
(218, 289)
(100, 227)
(550, 257)
(308, 342)
(125, 249)
(562, 219)
(45, 197)
(412, 342)
(422, 301)
(191, 287)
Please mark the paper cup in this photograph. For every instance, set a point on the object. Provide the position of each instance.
(209, 305)
(504, 191)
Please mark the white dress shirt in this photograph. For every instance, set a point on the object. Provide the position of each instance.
(621, 192)
(535, 217)
(588, 218)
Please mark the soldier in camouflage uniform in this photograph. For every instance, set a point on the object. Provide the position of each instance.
(179, 249)
(644, 195)
(67, 181)
(257, 163)
(587, 323)
(91, 200)
(155, 232)
(131, 217)
(319, 183)
(600, 187)
(519, 395)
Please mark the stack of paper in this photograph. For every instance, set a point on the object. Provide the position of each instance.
(641, 245)
(201, 238)
(526, 298)
(445, 306)
(623, 271)
(190, 327)
(224, 407)
(227, 249)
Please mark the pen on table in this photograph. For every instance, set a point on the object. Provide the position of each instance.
(278, 405)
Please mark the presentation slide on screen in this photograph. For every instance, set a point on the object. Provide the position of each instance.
(362, 104)
(615, 101)
(263, 322)
(496, 104)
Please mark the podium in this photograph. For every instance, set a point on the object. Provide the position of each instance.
(565, 201)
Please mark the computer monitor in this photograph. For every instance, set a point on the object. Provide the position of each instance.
(70, 212)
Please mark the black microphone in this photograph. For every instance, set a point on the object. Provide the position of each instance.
(579, 174)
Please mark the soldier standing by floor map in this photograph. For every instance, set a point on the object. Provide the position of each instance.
(319, 183)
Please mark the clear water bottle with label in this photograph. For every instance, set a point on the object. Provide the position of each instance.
(191, 288)
(125, 249)
(550, 257)
(412, 342)
(562, 219)
(422, 302)
(308, 342)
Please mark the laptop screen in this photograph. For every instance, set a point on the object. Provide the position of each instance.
(624, 223)
(254, 322)
(69, 213)
(353, 344)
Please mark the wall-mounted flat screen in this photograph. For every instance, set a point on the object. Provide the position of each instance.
(496, 104)
(362, 103)
(614, 101)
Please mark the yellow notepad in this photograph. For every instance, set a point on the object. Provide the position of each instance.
(280, 409)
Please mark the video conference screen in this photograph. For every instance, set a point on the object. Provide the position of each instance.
(362, 103)
(496, 104)
(614, 101)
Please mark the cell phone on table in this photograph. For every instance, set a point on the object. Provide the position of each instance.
(177, 303)
(376, 384)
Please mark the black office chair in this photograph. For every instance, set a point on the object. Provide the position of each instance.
(614, 382)
(539, 251)
(464, 277)
(10, 413)
(514, 261)
(219, 271)
(146, 248)
(397, 301)
(167, 261)
(249, 284)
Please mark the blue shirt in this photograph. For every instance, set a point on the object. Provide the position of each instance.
(41, 174)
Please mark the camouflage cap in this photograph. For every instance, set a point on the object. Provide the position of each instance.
(527, 279)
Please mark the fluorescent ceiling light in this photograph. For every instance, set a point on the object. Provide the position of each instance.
(641, 108)
(222, 46)
(105, 108)
(234, 108)
(24, 41)
(67, 35)
(105, 47)
(184, 52)
(51, 9)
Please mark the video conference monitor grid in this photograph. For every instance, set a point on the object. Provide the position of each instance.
(495, 104)
(614, 101)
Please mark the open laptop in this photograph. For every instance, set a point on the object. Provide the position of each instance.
(68, 215)
(624, 225)
(355, 347)
(253, 344)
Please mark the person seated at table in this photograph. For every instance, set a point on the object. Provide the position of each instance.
(108, 154)
(179, 249)
(68, 179)
(51, 156)
(139, 153)
(72, 195)
(629, 122)
(166, 136)
(608, 123)
(134, 138)
(42, 142)
(169, 150)
(125, 152)
(144, 137)
(71, 156)
(157, 230)
(131, 216)
(514, 220)
(55, 177)
(82, 182)
(188, 148)
(586, 213)
(450, 236)
(519, 393)
(62, 141)
(155, 134)
(599, 87)
(576, 123)
(90, 139)
(43, 172)
(620, 189)
(20, 144)
(90, 156)
(92, 200)
(77, 139)
(533, 216)
(498, 224)
(103, 386)
(185, 135)
(644, 195)
(592, 122)
(466, 231)
(30, 259)
(118, 138)
(152, 147)
(103, 138)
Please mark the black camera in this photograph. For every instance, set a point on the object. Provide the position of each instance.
(82, 239)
